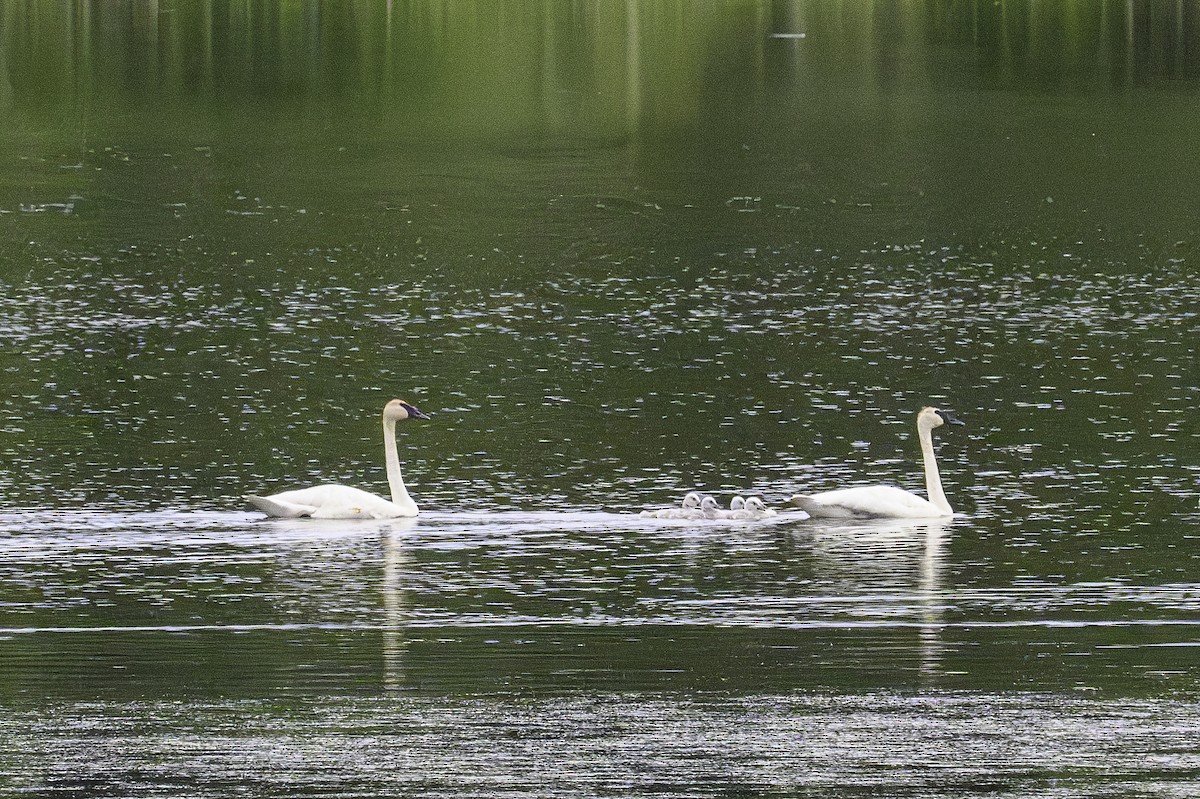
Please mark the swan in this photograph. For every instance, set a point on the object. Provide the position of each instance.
(737, 503)
(689, 510)
(344, 502)
(889, 502)
(753, 509)
(709, 509)
(757, 509)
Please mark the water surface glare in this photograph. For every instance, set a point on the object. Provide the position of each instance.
(501, 600)
(628, 744)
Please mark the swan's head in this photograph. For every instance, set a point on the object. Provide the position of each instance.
(691, 500)
(756, 505)
(737, 503)
(933, 417)
(708, 503)
(399, 410)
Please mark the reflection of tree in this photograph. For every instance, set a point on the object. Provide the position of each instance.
(605, 68)
(6, 88)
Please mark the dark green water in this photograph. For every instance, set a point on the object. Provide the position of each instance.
(618, 252)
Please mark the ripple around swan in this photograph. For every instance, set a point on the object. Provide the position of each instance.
(33, 529)
(181, 572)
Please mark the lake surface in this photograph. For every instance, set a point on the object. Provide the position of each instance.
(617, 252)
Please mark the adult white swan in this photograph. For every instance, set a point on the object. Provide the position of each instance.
(889, 502)
(344, 502)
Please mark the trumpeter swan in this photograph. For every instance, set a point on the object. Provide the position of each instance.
(344, 502)
(889, 502)
(709, 509)
(752, 509)
(690, 509)
(757, 509)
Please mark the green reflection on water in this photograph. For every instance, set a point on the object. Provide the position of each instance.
(605, 68)
(660, 224)
(619, 250)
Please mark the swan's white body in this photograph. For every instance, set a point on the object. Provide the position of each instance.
(757, 509)
(709, 509)
(702, 506)
(752, 509)
(889, 502)
(345, 502)
(690, 509)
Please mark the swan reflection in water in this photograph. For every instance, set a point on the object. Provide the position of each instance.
(337, 542)
(396, 615)
(890, 571)
(900, 562)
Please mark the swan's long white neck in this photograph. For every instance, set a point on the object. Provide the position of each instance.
(400, 495)
(933, 479)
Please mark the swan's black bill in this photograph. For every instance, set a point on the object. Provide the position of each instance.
(950, 418)
(414, 412)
